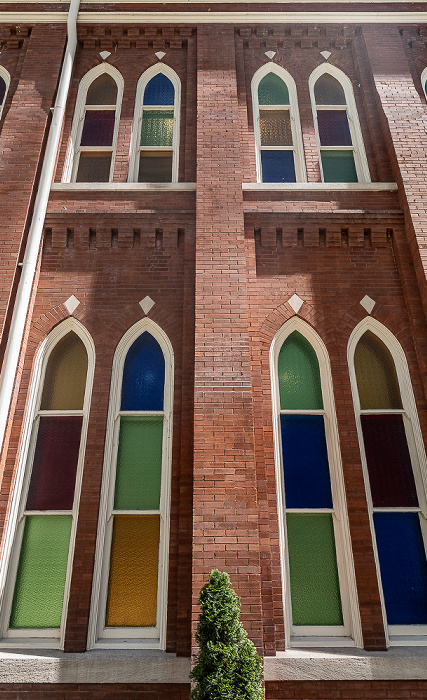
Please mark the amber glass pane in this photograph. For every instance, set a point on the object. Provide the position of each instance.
(376, 374)
(65, 379)
(275, 128)
(328, 91)
(103, 91)
(94, 167)
(155, 166)
(132, 588)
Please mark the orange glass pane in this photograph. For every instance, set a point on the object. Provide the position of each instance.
(376, 374)
(132, 588)
(65, 379)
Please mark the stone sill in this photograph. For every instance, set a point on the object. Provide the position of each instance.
(322, 186)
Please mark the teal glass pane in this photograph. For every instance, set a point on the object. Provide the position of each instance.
(139, 463)
(299, 376)
(40, 581)
(315, 591)
(338, 166)
(272, 91)
(157, 128)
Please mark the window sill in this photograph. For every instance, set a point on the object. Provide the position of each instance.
(328, 186)
(122, 186)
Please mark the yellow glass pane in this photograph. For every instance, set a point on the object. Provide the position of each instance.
(376, 374)
(65, 379)
(134, 565)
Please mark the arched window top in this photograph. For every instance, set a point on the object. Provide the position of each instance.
(299, 375)
(102, 91)
(424, 81)
(4, 86)
(65, 377)
(159, 91)
(272, 90)
(376, 376)
(328, 91)
(143, 376)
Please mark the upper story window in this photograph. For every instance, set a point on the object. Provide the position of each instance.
(394, 462)
(155, 139)
(317, 565)
(95, 127)
(38, 580)
(342, 153)
(277, 130)
(4, 86)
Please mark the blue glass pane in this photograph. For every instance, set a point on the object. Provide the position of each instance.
(278, 166)
(403, 567)
(143, 376)
(305, 462)
(159, 91)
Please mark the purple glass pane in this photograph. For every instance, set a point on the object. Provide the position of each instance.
(2, 90)
(389, 463)
(333, 128)
(98, 128)
(55, 462)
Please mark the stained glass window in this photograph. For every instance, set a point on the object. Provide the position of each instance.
(49, 504)
(3, 91)
(157, 132)
(393, 496)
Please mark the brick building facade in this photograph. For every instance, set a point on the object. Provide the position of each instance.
(238, 226)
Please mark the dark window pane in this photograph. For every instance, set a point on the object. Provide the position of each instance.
(305, 462)
(278, 166)
(98, 128)
(275, 128)
(55, 462)
(143, 376)
(338, 166)
(65, 378)
(2, 90)
(403, 567)
(157, 128)
(376, 374)
(389, 462)
(103, 91)
(273, 91)
(94, 167)
(299, 375)
(333, 128)
(159, 91)
(328, 91)
(155, 166)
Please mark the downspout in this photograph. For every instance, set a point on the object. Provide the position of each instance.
(23, 296)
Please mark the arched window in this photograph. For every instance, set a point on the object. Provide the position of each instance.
(95, 127)
(155, 137)
(317, 566)
(4, 86)
(35, 604)
(134, 517)
(394, 463)
(278, 139)
(424, 81)
(342, 153)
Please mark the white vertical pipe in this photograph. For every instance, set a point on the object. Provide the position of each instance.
(23, 295)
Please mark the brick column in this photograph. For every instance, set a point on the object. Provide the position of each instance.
(225, 499)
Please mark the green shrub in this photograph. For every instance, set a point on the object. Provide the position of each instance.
(227, 665)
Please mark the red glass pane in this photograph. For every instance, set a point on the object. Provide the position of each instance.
(389, 463)
(333, 128)
(55, 463)
(98, 128)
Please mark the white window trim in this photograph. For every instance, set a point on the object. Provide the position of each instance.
(6, 77)
(297, 147)
(46, 638)
(132, 637)
(396, 635)
(423, 81)
(358, 147)
(138, 114)
(73, 151)
(350, 634)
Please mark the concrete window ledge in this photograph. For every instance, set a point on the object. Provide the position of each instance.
(97, 666)
(398, 663)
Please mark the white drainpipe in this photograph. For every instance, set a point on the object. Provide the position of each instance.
(29, 265)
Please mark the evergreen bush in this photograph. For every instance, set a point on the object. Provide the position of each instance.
(227, 665)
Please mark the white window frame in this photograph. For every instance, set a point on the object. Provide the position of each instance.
(297, 143)
(74, 149)
(423, 81)
(396, 635)
(350, 633)
(14, 528)
(135, 148)
(6, 77)
(357, 147)
(132, 637)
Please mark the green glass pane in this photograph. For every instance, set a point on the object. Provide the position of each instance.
(139, 463)
(376, 374)
(272, 91)
(157, 128)
(338, 166)
(315, 589)
(40, 581)
(299, 376)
